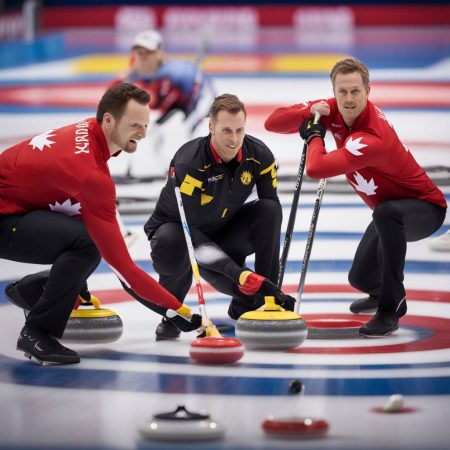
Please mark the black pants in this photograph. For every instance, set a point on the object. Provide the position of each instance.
(45, 237)
(379, 261)
(255, 228)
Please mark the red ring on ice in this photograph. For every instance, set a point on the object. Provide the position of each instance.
(440, 339)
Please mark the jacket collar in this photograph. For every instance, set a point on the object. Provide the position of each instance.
(217, 158)
(99, 136)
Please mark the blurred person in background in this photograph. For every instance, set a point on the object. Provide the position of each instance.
(179, 90)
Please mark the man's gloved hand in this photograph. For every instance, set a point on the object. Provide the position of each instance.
(250, 283)
(85, 294)
(184, 319)
(309, 130)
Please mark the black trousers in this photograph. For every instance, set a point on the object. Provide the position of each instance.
(46, 237)
(255, 228)
(379, 261)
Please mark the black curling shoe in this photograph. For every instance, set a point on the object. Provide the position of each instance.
(44, 348)
(167, 330)
(381, 324)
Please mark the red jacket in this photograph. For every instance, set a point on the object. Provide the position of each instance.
(370, 154)
(66, 171)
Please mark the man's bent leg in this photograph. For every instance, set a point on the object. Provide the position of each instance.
(44, 237)
(365, 273)
(398, 222)
(171, 261)
(254, 229)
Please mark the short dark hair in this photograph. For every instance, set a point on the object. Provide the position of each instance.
(227, 102)
(351, 65)
(115, 100)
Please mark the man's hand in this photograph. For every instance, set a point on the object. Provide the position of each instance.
(309, 130)
(322, 108)
(250, 283)
(184, 319)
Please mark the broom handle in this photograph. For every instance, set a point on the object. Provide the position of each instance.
(194, 264)
(293, 213)
(292, 216)
(311, 234)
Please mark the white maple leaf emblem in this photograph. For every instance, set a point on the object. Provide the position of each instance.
(42, 140)
(66, 208)
(353, 146)
(362, 185)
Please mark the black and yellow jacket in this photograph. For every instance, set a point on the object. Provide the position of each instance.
(211, 193)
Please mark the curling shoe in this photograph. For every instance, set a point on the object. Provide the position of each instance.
(382, 324)
(167, 330)
(401, 309)
(364, 305)
(44, 348)
(15, 297)
(239, 306)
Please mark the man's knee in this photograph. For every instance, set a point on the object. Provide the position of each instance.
(355, 279)
(168, 246)
(86, 246)
(385, 212)
(269, 211)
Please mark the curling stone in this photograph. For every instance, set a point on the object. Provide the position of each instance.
(216, 349)
(295, 427)
(91, 324)
(181, 425)
(271, 328)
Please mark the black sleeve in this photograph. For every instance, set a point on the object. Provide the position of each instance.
(266, 184)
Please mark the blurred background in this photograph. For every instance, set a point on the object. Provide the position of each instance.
(56, 60)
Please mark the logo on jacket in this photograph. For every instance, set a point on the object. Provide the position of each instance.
(42, 140)
(353, 146)
(66, 208)
(363, 185)
(215, 178)
(246, 177)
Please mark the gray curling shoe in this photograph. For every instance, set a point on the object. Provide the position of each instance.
(364, 305)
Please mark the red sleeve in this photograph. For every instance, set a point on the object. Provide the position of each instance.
(359, 150)
(287, 120)
(99, 214)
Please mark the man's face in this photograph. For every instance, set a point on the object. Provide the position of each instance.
(351, 96)
(145, 61)
(227, 134)
(132, 126)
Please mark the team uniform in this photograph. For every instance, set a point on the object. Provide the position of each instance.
(58, 206)
(225, 228)
(407, 205)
